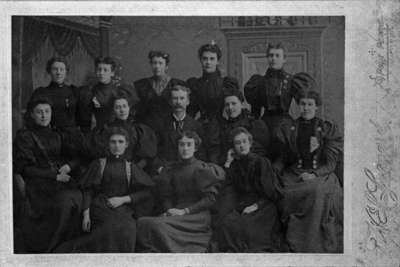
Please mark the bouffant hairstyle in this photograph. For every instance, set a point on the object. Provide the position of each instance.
(312, 95)
(157, 53)
(31, 106)
(213, 48)
(117, 131)
(106, 60)
(192, 135)
(53, 60)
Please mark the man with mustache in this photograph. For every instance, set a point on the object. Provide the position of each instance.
(173, 125)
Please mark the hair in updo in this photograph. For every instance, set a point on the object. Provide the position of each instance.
(276, 46)
(157, 53)
(53, 60)
(213, 48)
(239, 130)
(192, 135)
(311, 95)
(106, 60)
(117, 131)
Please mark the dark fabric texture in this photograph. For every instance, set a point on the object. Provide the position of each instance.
(312, 211)
(220, 140)
(193, 185)
(250, 180)
(113, 230)
(54, 207)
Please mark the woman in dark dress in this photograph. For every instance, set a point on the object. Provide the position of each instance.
(188, 191)
(252, 222)
(65, 98)
(47, 160)
(142, 139)
(312, 204)
(116, 192)
(153, 92)
(97, 101)
(234, 115)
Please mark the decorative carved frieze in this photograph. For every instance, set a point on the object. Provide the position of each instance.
(272, 21)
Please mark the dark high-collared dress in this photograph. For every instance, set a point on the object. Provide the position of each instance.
(142, 143)
(154, 94)
(65, 100)
(191, 184)
(220, 139)
(312, 211)
(54, 213)
(112, 229)
(250, 179)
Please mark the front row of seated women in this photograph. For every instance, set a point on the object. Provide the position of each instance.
(120, 203)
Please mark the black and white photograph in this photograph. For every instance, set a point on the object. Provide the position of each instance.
(200, 133)
(178, 134)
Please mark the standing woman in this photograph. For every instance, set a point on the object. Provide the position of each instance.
(142, 139)
(207, 96)
(189, 189)
(64, 97)
(116, 192)
(153, 92)
(252, 223)
(47, 160)
(312, 204)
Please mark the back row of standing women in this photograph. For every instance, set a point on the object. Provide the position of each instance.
(173, 166)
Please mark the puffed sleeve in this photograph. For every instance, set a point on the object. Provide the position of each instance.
(208, 180)
(251, 92)
(146, 146)
(142, 199)
(214, 142)
(25, 162)
(261, 137)
(331, 150)
(194, 107)
(84, 107)
(299, 83)
(90, 181)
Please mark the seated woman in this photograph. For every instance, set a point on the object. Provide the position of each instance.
(115, 193)
(234, 115)
(312, 204)
(142, 139)
(252, 222)
(189, 190)
(47, 161)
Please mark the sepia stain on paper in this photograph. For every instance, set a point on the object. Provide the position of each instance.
(382, 183)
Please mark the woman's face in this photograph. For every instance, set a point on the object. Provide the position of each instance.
(233, 106)
(308, 108)
(58, 72)
(186, 147)
(276, 58)
(121, 109)
(104, 73)
(209, 61)
(41, 114)
(241, 144)
(158, 66)
(118, 144)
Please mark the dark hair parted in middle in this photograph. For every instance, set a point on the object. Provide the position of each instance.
(276, 46)
(117, 131)
(179, 87)
(239, 130)
(192, 135)
(213, 48)
(53, 60)
(106, 60)
(157, 53)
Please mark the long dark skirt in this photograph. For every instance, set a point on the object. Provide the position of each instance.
(113, 230)
(258, 231)
(312, 212)
(187, 233)
(58, 220)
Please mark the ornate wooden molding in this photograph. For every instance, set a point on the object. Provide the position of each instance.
(272, 21)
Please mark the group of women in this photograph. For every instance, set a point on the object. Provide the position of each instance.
(86, 164)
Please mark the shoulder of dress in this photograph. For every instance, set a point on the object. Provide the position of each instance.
(141, 82)
(23, 133)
